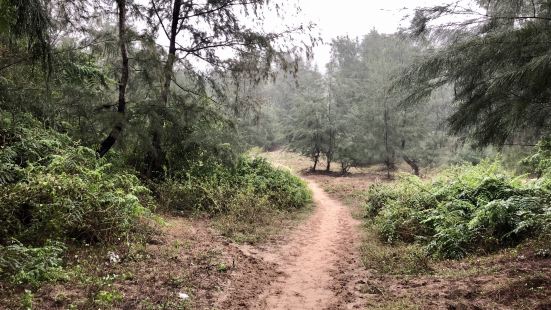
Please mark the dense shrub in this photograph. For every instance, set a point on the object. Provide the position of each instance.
(540, 161)
(243, 199)
(20, 264)
(52, 188)
(465, 209)
(215, 192)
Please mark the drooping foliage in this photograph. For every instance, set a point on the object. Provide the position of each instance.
(177, 103)
(496, 60)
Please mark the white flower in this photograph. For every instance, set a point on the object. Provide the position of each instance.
(183, 296)
(113, 258)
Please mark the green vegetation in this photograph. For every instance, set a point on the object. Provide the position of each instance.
(102, 131)
(466, 209)
(498, 87)
(212, 192)
(117, 115)
(244, 199)
(55, 189)
(28, 265)
(55, 192)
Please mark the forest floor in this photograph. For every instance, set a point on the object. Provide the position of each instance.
(327, 259)
(373, 275)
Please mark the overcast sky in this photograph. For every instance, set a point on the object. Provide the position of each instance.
(357, 17)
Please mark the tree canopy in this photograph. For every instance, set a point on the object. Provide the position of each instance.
(497, 62)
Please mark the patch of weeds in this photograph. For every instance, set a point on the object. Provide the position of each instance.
(137, 252)
(222, 267)
(61, 298)
(27, 300)
(397, 304)
(369, 288)
(401, 259)
(32, 265)
(166, 305)
(256, 221)
(178, 281)
(108, 298)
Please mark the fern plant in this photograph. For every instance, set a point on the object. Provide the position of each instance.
(466, 209)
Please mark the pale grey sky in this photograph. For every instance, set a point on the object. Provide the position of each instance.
(354, 18)
(357, 17)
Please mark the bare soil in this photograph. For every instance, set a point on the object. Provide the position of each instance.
(186, 256)
(308, 261)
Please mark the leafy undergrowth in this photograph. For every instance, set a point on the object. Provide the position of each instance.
(247, 202)
(465, 210)
(404, 275)
(475, 236)
(55, 193)
(70, 222)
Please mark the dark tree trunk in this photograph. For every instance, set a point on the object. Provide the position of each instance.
(316, 160)
(171, 58)
(115, 133)
(413, 164)
(329, 157)
(344, 168)
(388, 162)
(156, 157)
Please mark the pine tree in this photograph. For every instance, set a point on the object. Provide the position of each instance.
(497, 63)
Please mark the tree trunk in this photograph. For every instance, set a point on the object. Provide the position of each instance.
(413, 164)
(115, 133)
(157, 156)
(328, 168)
(316, 160)
(344, 168)
(388, 161)
(171, 58)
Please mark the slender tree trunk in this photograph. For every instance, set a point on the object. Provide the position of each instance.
(115, 133)
(329, 153)
(316, 160)
(157, 155)
(387, 147)
(413, 164)
(171, 58)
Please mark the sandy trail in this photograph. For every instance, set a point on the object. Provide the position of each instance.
(308, 262)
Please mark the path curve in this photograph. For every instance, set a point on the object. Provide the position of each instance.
(312, 257)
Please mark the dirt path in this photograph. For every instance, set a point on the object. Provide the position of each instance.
(312, 258)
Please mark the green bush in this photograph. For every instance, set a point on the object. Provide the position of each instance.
(540, 161)
(244, 198)
(59, 190)
(214, 192)
(466, 209)
(31, 265)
